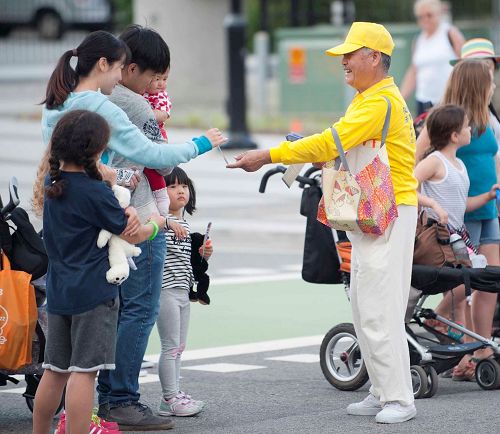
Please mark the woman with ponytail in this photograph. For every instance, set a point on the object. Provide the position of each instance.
(81, 304)
(100, 59)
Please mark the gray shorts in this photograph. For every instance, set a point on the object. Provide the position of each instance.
(82, 343)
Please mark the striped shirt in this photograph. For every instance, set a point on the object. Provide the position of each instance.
(177, 269)
(450, 192)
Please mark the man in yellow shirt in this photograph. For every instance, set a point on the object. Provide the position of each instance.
(381, 266)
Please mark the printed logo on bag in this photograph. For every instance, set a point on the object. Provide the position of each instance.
(4, 319)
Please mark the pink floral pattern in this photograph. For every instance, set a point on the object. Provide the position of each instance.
(377, 206)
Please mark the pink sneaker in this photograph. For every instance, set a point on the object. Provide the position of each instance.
(61, 425)
(111, 427)
(180, 405)
(97, 426)
(186, 396)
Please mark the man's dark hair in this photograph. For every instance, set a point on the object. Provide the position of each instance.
(385, 59)
(147, 47)
(386, 62)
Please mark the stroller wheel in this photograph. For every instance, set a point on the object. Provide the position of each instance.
(340, 358)
(432, 379)
(488, 374)
(29, 395)
(419, 381)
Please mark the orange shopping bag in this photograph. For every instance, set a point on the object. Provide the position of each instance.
(18, 316)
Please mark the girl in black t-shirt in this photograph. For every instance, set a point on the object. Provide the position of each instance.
(82, 306)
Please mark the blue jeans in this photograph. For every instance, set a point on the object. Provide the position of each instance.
(483, 232)
(139, 306)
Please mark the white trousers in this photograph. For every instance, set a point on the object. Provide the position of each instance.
(380, 285)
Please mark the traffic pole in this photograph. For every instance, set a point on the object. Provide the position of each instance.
(236, 105)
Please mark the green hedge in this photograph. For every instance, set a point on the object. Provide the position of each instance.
(366, 10)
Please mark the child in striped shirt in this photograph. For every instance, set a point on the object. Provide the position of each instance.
(173, 318)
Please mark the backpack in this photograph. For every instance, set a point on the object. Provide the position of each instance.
(320, 263)
(419, 122)
(23, 246)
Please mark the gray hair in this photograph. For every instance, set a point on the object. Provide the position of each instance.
(386, 59)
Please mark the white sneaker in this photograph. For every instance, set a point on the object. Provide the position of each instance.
(180, 405)
(200, 404)
(394, 412)
(370, 406)
(147, 364)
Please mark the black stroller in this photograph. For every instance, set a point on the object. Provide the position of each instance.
(26, 252)
(327, 260)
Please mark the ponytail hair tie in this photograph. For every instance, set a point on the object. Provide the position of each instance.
(75, 53)
(53, 181)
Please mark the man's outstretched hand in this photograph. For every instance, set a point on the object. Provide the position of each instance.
(251, 161)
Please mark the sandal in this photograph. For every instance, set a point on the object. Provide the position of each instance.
(466, 372)
(451, 333)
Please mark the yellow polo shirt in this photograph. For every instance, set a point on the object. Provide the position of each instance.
(363, 121)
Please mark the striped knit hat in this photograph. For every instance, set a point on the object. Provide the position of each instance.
(476, 49)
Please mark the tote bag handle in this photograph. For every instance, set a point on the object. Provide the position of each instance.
(338, 143)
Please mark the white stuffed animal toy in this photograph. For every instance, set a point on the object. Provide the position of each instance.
(119, 250)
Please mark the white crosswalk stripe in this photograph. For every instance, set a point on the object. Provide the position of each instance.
(224, 367)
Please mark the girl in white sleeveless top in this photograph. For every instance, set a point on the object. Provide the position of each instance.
(444, 184)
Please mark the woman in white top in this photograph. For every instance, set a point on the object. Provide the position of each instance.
(437, 43)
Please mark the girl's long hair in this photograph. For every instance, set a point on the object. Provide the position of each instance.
(78, 137)
(96, 45)
(469, 87)
(180, 177)
(441, 123)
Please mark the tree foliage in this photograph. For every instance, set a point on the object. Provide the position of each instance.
(366, 10)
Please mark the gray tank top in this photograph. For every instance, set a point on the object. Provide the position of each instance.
(450, 192)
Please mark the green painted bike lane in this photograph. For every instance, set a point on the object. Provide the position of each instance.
(264, 311)
(254, 312)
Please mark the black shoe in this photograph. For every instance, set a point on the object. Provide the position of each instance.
(134, 416)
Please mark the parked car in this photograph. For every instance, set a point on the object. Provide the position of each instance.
(52, 18)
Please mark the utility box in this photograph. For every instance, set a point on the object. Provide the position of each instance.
(310, 81)
(313, 82)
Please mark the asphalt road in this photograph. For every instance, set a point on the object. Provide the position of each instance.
(267, 396)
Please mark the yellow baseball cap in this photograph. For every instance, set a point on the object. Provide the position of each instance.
(370, 35)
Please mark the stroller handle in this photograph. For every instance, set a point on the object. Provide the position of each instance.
(303, 180)
(13, 200)
(268, 174)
